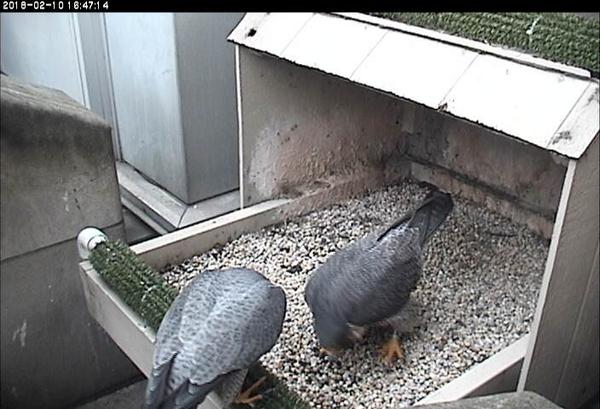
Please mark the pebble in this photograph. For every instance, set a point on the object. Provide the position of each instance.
(478, 292)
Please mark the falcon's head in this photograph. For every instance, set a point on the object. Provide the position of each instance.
(333, 334)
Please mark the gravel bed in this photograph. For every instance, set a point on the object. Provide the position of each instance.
(481, 277)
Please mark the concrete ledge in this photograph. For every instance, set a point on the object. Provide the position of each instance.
(163, 211)
(125, 398)
(57, 176)
(512, 400)
(53, 353)
(57, 169)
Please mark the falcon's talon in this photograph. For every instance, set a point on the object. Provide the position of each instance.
(248, 401)
(392, 350)
(357, 332)
(327, 352)
(244, 397)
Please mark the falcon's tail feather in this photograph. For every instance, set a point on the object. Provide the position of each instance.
(155, 388)
(189, 395)
(431, 213)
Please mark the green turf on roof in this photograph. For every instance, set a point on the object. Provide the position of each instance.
(560, 37)
(146, 293)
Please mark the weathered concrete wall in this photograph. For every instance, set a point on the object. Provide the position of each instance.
(57, 176)
(520, 181)
(515, 170)
(300, 125)
(56, 166)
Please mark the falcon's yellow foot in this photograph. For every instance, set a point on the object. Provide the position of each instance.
(392, 350)
(244, 398)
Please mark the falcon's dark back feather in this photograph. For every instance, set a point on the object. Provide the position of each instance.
(371, 279)
(221, 322)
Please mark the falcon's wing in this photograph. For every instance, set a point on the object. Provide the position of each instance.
(241, 331)
(369, 280)
(167, 345)
(221, 322)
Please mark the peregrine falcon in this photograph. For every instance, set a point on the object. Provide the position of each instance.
(221, 323)
(369, 282)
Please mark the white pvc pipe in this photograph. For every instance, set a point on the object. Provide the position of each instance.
(88, 239)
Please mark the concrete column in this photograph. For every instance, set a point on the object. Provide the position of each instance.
(57, 176)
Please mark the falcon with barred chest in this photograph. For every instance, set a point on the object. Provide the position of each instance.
(369, 282)
(220, 324)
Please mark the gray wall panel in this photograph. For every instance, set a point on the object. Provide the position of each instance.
(208, 101)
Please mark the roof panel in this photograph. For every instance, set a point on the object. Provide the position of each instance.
(534, 103)
(273, 32)
(409, 66)
(584, 120)
(333, 45)
(513, 98)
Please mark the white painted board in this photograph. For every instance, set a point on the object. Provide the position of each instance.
(413, 67)
(270, 32)
(516, 99)
(584, 120)
(562, 360)
(333, 45)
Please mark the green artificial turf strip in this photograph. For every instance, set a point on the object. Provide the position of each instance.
(138, 285)
(559, 37)
(146, 293)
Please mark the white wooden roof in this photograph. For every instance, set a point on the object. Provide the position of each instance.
(550, 105)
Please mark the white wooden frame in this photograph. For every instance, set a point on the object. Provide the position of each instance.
(562, 358)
